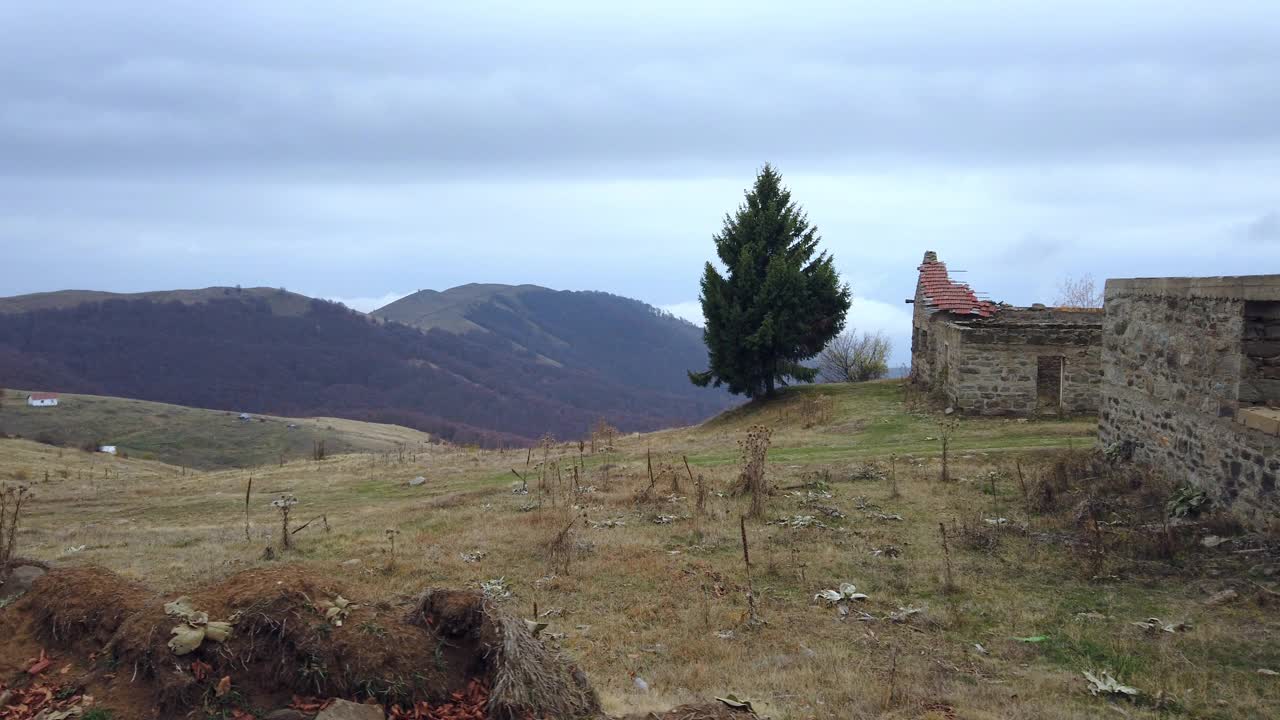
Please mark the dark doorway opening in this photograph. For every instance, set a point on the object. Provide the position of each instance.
(1260, 379)
(1049, 383)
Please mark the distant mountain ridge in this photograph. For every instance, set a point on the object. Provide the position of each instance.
(281, 300)
(480, 364)
(625, 340)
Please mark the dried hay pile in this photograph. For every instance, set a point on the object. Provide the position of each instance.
(525, 675)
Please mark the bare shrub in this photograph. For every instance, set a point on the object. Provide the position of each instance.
(602, 436)
(1112, 508)
(562, 548)
(11, 501)
(1079, 292)
(855, 357)
(754, 450)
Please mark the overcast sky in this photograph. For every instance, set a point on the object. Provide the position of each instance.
(362, 150)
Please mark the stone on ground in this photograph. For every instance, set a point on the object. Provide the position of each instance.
(345, 710)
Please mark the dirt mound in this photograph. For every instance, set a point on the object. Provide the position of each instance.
(293, 633)
(83, 605)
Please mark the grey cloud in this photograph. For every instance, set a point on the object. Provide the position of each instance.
(391, 91)
(353, 150)
(1265, 229)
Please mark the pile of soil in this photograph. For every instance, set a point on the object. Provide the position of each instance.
(448, 655)
(446, 646)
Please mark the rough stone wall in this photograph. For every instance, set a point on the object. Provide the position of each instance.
(922, 341)
(988, 365)
(1173, 360)
(992, 367)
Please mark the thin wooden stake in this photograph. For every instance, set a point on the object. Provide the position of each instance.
(753, 617)
(247, 490)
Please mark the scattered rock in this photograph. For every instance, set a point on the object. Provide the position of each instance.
(1222, 598)
(1268, 672)
(286, 714)
(345, 710)
(352, 562)
(417, 481)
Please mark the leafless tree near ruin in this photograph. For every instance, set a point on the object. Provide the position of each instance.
(855, 357)
(1079, 292)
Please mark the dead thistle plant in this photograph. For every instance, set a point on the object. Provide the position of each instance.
(754, 450)
(391, 535)
(284, 504)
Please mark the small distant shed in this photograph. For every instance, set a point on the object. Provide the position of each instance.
(245, 417)
(108, 449)
(42, 400)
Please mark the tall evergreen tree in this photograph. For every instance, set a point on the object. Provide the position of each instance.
(778, 305)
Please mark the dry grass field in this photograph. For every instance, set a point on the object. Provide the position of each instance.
(644, 587)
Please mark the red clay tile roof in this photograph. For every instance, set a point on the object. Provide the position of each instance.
(943, 293)
(44, 396)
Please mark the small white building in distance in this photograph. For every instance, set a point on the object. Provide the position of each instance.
(42, 399)
(108, 449)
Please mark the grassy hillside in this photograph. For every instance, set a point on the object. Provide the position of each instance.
(841, 422)
(448, 309)
(1001, 624)
(193, 437)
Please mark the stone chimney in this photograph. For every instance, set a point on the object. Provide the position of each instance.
(930, 256)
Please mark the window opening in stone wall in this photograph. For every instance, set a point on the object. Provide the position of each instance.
(1260, 376)
(1049, 370)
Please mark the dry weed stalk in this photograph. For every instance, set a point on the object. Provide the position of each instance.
(815, 410)
(949, 582)
(948, 426)
(893, 476)
(700, 489)
(11, 502)
(562, 547)
(391, 534)
(602, 437)
(753, 615)
(893, 677)
(524, 484)
(284, 504)
(247, 490)
(754, 448)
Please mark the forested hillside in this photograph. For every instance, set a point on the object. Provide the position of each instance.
(237, 353)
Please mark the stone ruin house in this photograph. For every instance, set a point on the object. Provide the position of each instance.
(1191, 384)
(988, 358)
